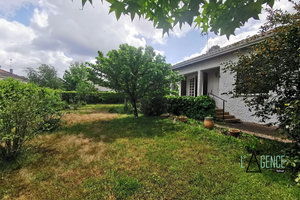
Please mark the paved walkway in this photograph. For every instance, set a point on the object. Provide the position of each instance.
(259, 133)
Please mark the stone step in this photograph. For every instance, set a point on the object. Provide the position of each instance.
(221, 113)
(219, 110)
(220, 116)
(227, 117)
(233, 120)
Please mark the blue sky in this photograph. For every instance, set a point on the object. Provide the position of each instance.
(58, 33)
(23, 14)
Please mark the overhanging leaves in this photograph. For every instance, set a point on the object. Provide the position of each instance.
(216, 16)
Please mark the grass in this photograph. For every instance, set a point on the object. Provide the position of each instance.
(102, 155)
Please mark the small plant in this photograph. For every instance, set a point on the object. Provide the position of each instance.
(250, 142)
(183, 118)
(234, 132)
(77, 105)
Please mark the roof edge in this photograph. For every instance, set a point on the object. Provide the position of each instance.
(224, 50)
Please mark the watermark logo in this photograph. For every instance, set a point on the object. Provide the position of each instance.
(256, 163)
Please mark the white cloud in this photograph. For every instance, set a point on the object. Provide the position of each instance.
(40, 18)
(249, 29)
(159, 52)
(61, 32)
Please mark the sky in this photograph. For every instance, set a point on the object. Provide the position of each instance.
(60, 32)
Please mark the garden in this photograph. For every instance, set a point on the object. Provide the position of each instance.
(64, 139)
(102, 151)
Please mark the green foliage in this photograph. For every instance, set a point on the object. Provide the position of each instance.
(93, 97)
(153, 106)
(293, 159)
(77, 78)
(25, 109)
(136, 72)
(275, 59)
(297, 179)
(250, 142)
(217, 16)
(193, 107)
(45, 76)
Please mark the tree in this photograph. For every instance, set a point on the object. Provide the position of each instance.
(213, 48)
(76, 74)
(44, 76)
(77, 78)
(135, 72)
(268, 77)
(216, 16)
(25, 109)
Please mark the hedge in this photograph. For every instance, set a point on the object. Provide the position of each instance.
(93, 97)
(193, 107)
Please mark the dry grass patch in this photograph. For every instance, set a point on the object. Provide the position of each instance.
(73, 118)
(70, 146)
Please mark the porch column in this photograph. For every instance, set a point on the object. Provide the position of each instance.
(199, 82)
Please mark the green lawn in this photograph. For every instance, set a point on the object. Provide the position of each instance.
(102, 155)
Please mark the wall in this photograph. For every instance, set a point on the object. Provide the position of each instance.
(213, 81)
(235, 106)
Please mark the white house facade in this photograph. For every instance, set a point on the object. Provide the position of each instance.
(204, 75)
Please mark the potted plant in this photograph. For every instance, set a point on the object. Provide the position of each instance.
(165, 115)
(234, 132)
(183, 118)
(209, 122)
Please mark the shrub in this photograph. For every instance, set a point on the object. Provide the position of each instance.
(25, 109)
(193, 107)
(93, 97)
(154, 106)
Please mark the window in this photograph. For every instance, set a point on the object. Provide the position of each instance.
(192, 87)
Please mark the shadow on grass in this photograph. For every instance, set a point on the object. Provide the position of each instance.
(126, 127)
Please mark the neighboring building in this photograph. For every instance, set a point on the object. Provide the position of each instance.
(4, 74)
(204, 75)
(103, 89)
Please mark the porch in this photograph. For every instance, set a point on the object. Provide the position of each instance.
(200, 82)
(206, 82)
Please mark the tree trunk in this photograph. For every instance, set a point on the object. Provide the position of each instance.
(135, 112)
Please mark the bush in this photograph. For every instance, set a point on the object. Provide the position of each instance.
(193, 107)
(93, 97)
(25, 109)
(154, 106)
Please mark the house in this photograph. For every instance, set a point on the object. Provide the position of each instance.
(5, 74)
(204, 75)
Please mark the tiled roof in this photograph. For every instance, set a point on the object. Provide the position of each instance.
(224, 50)
(8, 74)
